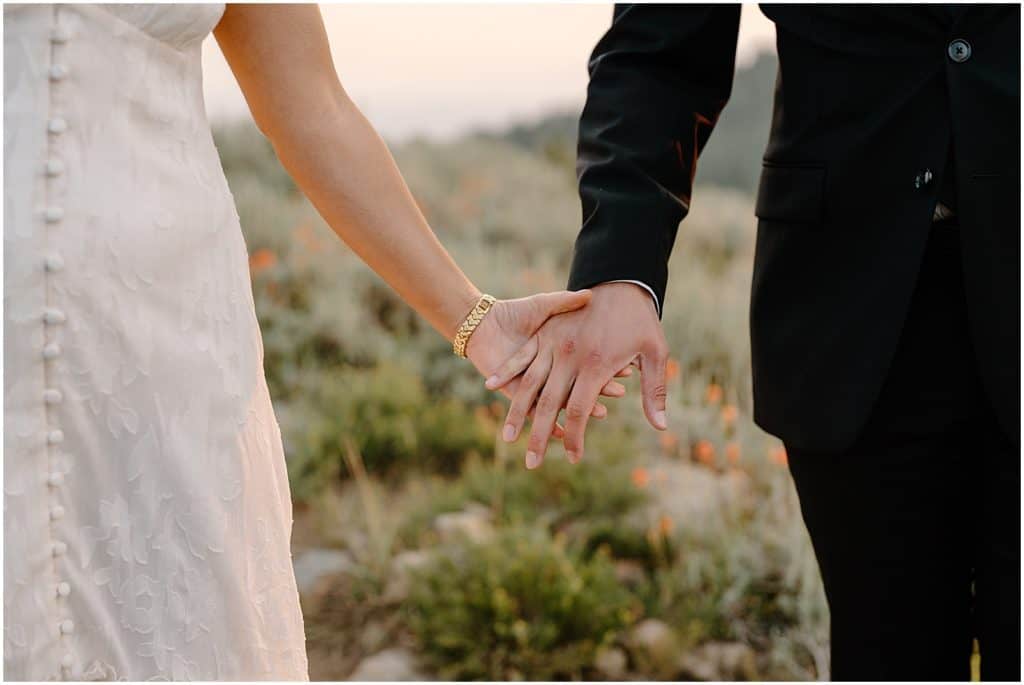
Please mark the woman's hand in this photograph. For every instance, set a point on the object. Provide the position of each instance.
(509, 329)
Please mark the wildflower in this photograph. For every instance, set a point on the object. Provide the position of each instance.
(778, 456)
(729, 414)
(671, 369)
(705, 452)
(262, 259)
(732, 453)
(668, 441)
(640, 477)
(713, 394)
(665, 525)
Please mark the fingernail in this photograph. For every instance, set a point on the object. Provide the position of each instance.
(508, 434)
(532, 460)
(573, 457)
(491, 382)
(659, 419)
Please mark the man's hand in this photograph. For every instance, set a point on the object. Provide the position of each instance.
(575, 355)
(511, 325)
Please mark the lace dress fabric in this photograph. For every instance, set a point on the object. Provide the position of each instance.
(146, 501)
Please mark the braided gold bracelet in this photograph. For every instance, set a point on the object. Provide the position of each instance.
(473, 320)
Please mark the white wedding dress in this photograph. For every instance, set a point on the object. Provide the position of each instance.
(146, 501)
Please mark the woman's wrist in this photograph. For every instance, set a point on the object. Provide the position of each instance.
(459, 309)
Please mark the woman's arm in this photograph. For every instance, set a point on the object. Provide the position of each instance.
(281, 59)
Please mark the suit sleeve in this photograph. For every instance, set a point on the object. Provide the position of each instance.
(659, 78)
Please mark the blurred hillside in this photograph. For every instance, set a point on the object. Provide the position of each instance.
(732, 158)
(422, 546)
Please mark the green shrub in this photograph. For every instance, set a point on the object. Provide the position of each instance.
(520, 607)
(388, 417)
(558, 495)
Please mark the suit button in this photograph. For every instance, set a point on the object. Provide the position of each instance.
(923, 179)
(959, 50)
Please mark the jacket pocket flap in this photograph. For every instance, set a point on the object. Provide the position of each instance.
(791, 193)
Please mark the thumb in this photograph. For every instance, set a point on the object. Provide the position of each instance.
(549, 304)
(653, 380)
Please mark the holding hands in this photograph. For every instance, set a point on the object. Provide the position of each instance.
(573, 357)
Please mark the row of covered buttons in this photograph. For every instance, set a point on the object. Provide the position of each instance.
(54, 263)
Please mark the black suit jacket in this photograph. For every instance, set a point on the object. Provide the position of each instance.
(867, 101)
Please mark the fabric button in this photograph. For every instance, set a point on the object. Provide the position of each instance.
(67, 626)
(55, 437)
(60, 35)
(58, 548)
(58, 72)
(57, 512)
(53, 214)
(51, 351)
(959, 50)
(67, 661)
(52, 396)
(63, 589)
(54, 167)
(53, 316)
(57, 125)
(56, 478)
(53, 263)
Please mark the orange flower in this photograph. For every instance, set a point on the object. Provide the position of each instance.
(671, 369)
(262, 259)
(714, 393)
(705, 452)
(729, 414)
(641, 478)
(668, 441)
(732, 453)
(665, 525)
(778, 456)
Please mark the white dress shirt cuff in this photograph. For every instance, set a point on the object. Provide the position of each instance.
(657, 306)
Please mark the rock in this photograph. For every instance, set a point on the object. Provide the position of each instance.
(655, 649)
(611, 663)
(400, 577)
(396, 663)
(719, 661)
(736, 661)
(313, 564)
(472, 523)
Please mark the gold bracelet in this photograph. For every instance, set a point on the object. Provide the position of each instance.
(473, 320)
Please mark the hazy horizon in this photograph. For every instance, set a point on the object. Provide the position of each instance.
(439, 71)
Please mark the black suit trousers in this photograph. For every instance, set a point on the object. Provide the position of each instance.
(916, 527)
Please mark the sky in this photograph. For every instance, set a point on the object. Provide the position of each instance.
(441, 70)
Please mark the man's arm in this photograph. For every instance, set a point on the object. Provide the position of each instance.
(659, 78)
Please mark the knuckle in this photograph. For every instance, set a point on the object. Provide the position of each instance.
(516, 415)
(567, 346)
(575, 411)
(593, 358)
(659, 392)
(546, 404)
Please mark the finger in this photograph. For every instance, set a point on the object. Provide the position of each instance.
(599, 411)
(549, 403)
(613, 389)
(624, 372)
(577, 411)
(652, 371)
(530, 385)
(514, 365)
(561, 302)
